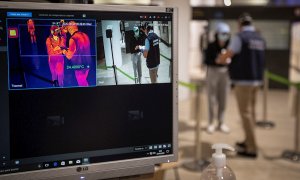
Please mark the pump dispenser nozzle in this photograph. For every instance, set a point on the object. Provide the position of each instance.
(219, 146)
(219, 158)
(218, 170)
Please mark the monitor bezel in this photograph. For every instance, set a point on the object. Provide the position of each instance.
(118, 165)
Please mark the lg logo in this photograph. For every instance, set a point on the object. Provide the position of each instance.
(80, 169)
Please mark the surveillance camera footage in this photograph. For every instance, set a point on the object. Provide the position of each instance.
(127, 57)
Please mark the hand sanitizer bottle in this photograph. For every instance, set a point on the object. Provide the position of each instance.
(218, 170)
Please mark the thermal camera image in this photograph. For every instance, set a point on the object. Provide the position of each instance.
(31, 29)
(51, 53)
(55, 44)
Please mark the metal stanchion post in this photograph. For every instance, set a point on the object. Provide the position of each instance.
(265, 123)
(295, 155)
(297, 113)
(198, 163)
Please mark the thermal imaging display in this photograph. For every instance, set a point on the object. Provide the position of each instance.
(78, 87)
(51, 53)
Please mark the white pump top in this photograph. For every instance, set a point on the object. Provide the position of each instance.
(219, 158)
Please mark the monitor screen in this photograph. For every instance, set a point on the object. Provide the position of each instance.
(84, 87)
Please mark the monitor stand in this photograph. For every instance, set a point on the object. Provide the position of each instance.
(116, 173)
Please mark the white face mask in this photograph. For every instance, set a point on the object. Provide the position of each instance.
(136, 32)
(223, 37)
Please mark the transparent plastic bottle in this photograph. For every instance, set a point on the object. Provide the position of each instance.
(218, 170)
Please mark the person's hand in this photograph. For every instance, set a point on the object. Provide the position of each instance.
(64, 51)
(56, 48)
(136, 48)
(222, 60)
(142, 48)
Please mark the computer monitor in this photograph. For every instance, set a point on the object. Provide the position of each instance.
(86, 91)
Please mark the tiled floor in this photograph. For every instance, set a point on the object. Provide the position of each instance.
(271, 142)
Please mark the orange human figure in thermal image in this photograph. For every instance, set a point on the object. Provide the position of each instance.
(79, 53)
(55, 43)
(31, 30)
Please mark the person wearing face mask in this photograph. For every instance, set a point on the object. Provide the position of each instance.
(217, 78)
(55, 57)
(31, 30)
(135, 41)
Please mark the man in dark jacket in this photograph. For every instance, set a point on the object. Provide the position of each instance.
(246, 72)
(151, 51)
(79, 53)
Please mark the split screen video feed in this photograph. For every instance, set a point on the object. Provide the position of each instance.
(64, 53)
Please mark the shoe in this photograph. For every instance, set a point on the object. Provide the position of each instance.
(241, 144)
(246, 154)
(210, 129)
(224, 128)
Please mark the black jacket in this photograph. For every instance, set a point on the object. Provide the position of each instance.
(212, 52)
(136, 42)
(153, 58)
